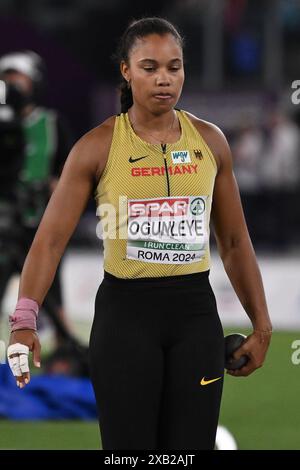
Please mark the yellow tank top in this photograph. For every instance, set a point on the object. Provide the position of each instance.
(154, 203)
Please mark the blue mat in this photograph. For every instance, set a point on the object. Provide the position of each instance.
(46, 397)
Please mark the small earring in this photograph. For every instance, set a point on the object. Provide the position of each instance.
(128, 84)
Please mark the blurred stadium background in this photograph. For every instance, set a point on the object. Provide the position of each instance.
(242, 64)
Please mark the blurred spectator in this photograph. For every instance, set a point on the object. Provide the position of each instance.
(280, 173)
(247, 151)
(47, 142)
(281, 162)
(267, 168)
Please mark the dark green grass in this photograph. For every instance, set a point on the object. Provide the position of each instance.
(54, 435)
(261, 411)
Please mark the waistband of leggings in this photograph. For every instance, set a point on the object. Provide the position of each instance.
(162, 280)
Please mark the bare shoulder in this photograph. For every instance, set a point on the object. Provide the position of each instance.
(214, 138)
(92, 149)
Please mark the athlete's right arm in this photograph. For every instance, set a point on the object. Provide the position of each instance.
(81, 172)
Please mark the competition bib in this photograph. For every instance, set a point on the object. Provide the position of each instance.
(169, 230)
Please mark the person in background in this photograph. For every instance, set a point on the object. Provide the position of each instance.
(47, 141)
(280, 180)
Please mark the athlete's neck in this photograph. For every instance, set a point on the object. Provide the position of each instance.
(151, 122)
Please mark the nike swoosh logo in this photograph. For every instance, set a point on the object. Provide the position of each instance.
(132, 160)
(206, 382)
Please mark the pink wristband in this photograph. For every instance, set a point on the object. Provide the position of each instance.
(25, 315)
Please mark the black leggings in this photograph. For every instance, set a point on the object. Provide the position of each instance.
(152, 342)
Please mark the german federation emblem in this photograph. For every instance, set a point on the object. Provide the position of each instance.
(198, 154)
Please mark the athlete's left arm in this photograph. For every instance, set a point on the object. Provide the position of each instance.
(237, 253)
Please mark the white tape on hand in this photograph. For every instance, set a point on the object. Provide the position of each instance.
(14, 364)
(18, 363)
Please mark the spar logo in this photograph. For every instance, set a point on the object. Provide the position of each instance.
(197, 206)
(181, 156)
(159, 207)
